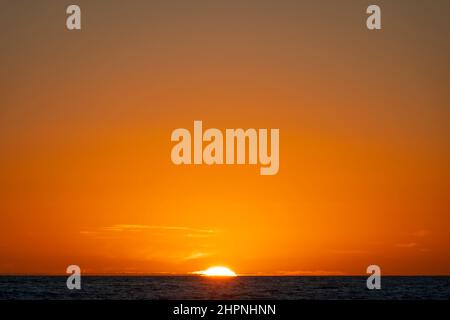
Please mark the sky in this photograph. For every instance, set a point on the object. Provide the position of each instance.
(86, 118)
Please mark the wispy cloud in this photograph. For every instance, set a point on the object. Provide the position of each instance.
(143, 227)
(421, 233)
(128, 228)
(415, 240)
(88, 232)
(406, 245)
(349, 251)
(309, 273)
(197, 255)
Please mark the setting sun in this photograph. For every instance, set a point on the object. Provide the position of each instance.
(217, 272)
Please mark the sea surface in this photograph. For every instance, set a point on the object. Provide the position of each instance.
(245, 287)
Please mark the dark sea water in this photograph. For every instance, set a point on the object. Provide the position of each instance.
(193, 287)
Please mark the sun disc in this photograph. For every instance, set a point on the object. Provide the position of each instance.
(217, 272)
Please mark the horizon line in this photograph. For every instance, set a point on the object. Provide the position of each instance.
(197, 275)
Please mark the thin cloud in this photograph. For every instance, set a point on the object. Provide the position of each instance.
(142, 227)
(197, 255)
(350, 252)
(309, 273)
(421, 233)
(406, 245)
(154, 230)
(88, 232)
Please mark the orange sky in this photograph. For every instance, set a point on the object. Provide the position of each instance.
(86, 119)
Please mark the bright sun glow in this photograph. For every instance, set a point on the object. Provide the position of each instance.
(217, 272)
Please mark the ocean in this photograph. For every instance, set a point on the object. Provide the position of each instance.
(238, 288)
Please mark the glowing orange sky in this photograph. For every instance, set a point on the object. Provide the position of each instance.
(86, 118)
